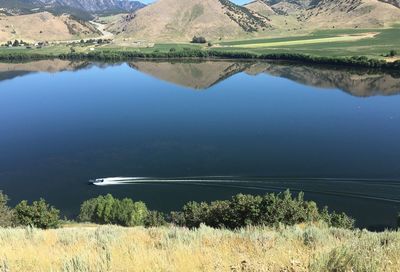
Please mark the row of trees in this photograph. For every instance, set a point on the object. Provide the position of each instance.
(39, 214)
(16, 43)
(111, 55)
(268, 210)
(240, 211)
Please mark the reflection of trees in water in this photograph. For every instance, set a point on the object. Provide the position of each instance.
(204, 74)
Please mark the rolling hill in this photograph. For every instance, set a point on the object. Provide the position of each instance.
(44, 26)
(328, 14)
(351, 14)
(172, 20)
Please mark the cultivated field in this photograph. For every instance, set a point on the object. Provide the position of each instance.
(110, 248)
(330, 42)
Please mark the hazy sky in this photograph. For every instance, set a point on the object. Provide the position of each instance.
(235, 1)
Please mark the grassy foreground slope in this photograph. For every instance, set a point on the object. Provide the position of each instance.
(111, 248)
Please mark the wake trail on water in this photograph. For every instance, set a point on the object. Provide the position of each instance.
(273, 184)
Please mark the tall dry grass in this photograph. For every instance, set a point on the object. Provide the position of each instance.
(111, 248)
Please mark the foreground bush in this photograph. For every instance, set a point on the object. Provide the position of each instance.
(110, 210)
(6, 214)
(39, 215)
(248, 210)
(398, 221)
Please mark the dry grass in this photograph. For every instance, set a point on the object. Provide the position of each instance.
(43, 26)
(110, 248)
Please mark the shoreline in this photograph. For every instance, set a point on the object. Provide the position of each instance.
(207, 55)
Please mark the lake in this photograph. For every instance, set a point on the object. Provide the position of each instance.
(212, 129)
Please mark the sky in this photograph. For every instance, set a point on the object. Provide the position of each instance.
(240, 2)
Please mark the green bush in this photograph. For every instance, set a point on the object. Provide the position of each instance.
(269, 210)
(199, 39)
(6, 214)
(155, 219)
(337, 220)
(39, 215)
(109, 210)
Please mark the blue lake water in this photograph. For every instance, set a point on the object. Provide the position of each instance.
(243, 127)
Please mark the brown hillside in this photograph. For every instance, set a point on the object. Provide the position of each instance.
(176, 20)
(351, 13)
(260, 7)
(43, 26)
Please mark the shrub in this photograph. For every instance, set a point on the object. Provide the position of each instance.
(155, 219)
(199, 39)
(109, 210)
(269, 210)
(337, 220)
(172, 49)
(6, 214)
(39, 214)
(393, 53)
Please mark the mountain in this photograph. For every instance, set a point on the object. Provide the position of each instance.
(395, 3)
(351, 14)
(97, 5)
(282, 7)
(261, 7)
(83, 9)
(317, 14)
(177, 20)
(44, 26)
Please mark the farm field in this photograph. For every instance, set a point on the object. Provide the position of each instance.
(332, 42)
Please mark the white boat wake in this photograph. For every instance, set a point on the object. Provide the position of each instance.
(269, 184)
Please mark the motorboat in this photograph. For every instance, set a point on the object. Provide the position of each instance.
(113, 180)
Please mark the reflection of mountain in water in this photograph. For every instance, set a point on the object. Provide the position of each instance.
(357, 82)
(12, 70)
(196, 75)
(203, 75)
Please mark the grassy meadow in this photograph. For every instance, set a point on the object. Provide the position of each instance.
(112, 248)
(330, 43)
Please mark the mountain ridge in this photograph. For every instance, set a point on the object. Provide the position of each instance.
(177, 20)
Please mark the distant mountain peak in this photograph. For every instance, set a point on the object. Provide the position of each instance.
(71, 6)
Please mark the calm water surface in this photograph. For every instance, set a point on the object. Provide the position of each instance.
(233, 127)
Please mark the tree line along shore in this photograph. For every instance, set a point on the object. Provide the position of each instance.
(190, 53)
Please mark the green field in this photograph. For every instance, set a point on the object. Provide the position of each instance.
(326, 43)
